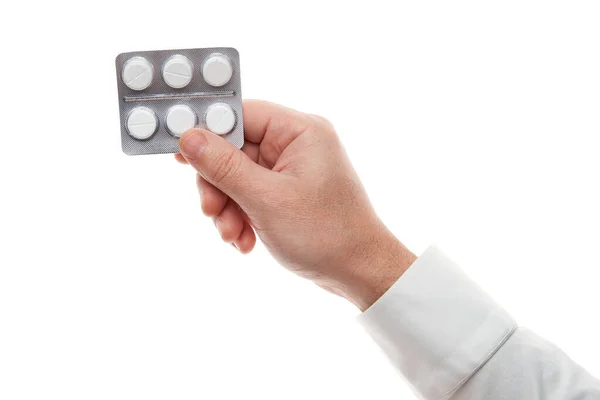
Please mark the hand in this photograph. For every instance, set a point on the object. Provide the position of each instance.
(293, 185)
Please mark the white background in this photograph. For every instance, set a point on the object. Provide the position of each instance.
(472, 124)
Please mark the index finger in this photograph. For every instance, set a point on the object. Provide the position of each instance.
(261, 117)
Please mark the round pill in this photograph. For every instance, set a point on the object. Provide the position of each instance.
(141, 123)
(177, 71)
(180, 118)
(220, 118)
(217, 69)
(137, 73)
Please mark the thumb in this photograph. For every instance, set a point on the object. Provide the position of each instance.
(222, 164)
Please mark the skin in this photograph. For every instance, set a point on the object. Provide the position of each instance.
(293, 186)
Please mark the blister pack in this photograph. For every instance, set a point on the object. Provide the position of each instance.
(163, 93)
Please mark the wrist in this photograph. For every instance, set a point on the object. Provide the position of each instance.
(375, 267)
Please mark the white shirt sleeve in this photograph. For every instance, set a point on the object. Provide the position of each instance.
(450, 340)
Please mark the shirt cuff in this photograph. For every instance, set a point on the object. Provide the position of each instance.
(437, 326)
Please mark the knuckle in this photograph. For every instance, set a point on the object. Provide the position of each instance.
(322, 121)
(208, 209)
(226, 167)
(324, 128)
(227, 235)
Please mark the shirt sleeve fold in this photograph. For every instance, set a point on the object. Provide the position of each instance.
(437, 326)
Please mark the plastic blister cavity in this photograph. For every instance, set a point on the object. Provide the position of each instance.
(163, 93)
(220, 118)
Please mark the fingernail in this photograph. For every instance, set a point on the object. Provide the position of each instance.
(191, 144)
(218, 221)
(235, 246)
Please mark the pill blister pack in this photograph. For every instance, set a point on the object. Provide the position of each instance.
(164, 93)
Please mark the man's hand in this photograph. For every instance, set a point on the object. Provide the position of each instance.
(293, 185)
